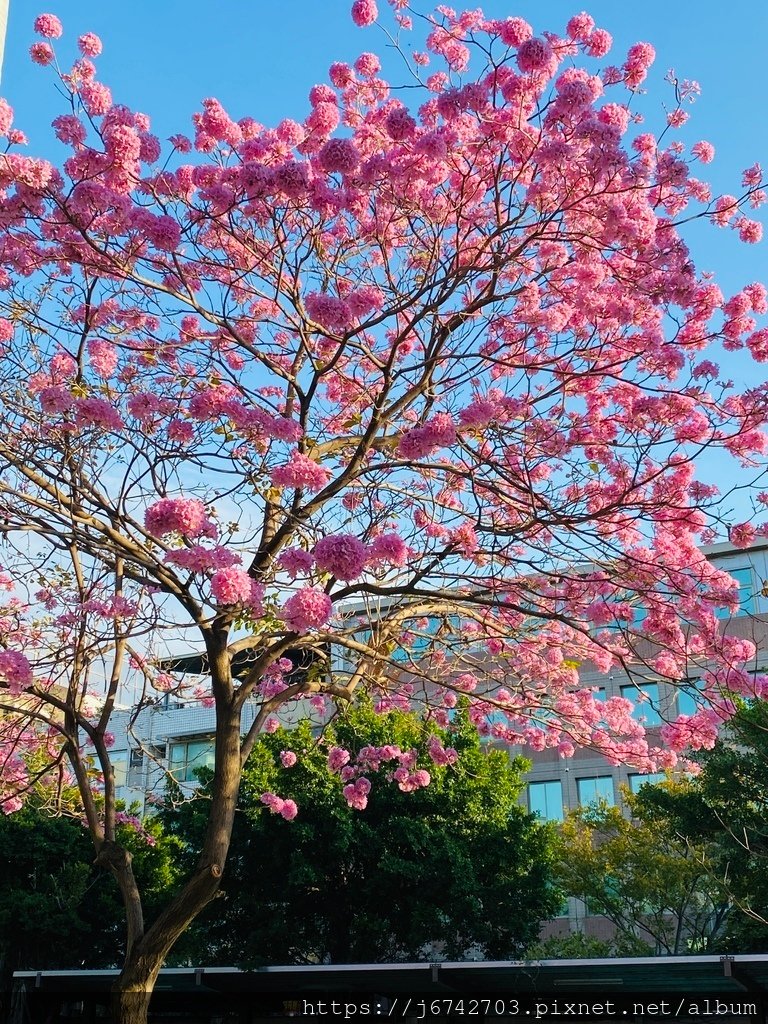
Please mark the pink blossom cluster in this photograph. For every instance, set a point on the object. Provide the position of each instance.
(233, 585)
(639, 59)
(99, 413)
(186, 516)
(388, 548)
(338, 757)
(331, 313)
(198, 559)
(288, 758)
(103, 356)
(364, 12)
(339, 155)
(296, 562)
(743, 535)
(439, 754)
(342, 555)
(694, 732)
(285, 808)
(356, 793)
(409, 781)
(438, 432)
(370, 758)
(49, 26)
(307, 609)
(15, 671)
(302, 473)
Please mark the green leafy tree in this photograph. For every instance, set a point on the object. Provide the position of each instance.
(57, 908)
(659, 890)
(574, 946)
(458, 863)
(725, 809)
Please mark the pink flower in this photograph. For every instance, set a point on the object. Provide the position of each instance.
(98, 412)
(6, 117)
(231, 586)
(356, 794)
(437, 432)
(580, 27)
(341, 75)
(181, 431)
(364, 12)
(301, 472)
(285, 808)
(96, 98)
(514, 31)
(103, 357)
(55, 400)
(289, 810)
(338, 757)
(16, 671)
(48, 25)
(750, 230)
(288, 758)
(400, 125)
(439, 754)
(41, 53)
(342, 555)
(308, 609)
(295, 561)
(534, 55)
(89, 45)
(339, 155)
(368, 64)
(389, 547)
(178, 515)
(705, 151)
(742, 535)
(599, 43)
(330, 312)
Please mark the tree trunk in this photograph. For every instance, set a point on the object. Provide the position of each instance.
(132, 990)
(130, 1005)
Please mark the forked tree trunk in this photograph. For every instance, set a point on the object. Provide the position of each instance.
(130, 1005)
(132, 990)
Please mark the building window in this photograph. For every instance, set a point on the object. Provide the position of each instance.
(188, 757)
(646, 710)
(689, 699)
(545, 799)
(596, 790)
(653, 779)
(744, 578)
(120, 768)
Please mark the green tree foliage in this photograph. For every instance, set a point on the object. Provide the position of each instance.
(574, 946)
(725, 808)
(659, 889)
(458, 862)
(57, 909)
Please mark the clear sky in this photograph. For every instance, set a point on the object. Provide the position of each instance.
(261, 57)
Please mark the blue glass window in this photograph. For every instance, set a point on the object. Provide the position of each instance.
(595, 790)
(545, 799)
(689, 700)
(636, 781)
(646, 710)
(744, 578)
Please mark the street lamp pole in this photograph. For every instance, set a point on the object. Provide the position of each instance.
(3, 28)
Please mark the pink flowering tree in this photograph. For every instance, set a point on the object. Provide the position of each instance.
(416, 389)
